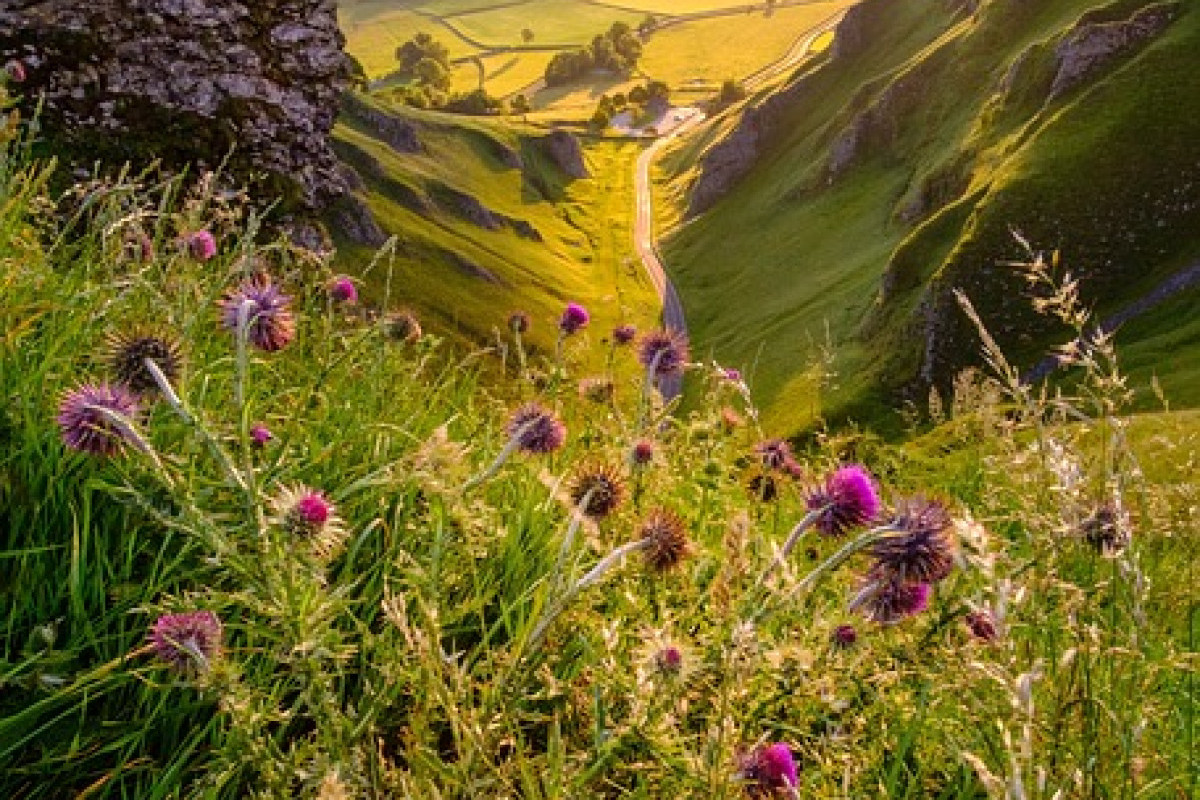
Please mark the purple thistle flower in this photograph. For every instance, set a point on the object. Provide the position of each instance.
(573, 318)
(665, 351)
(768, 769)
(309, 515)
(643, 452)
(923, 548)
(885, 598)
(669, 660)
(260, 435)
(16, 71)
(536, 430)
(270, 325)
(848, 498)
(624, 334)
(202, 245)
(188, 643)
(845, 636)
(731, 374)
(85, 418)
(343, 290)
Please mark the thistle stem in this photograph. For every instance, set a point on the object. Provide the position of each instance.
(594, 575)
(510, 447)
(790, 543)
(568, 541)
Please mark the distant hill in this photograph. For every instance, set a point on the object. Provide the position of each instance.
(846, 206)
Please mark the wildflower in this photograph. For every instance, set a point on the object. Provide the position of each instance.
(1107, 529)
(775, 454)
(731, 374)
(189, 643)
(731, 420)
(663, 352)
(669, 660)
(129, 352)
(664, 538)
(598, 490)
(847, 500)
(263, 309)
(845, 636)
(202, 245)
(642, 453)
(574, 317)
(518, 322)
(624, 334)
(260, 435)
(767, 770)
(15, 71)
(982, 625)
(597, 390)
(94, 418)
(343, 290)
(923, 548)
(885, 598)
(402, 326)
(536, 430)
(309, 515)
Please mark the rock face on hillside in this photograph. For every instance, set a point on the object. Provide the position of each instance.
(399, 133)
(1090, 48)
(565, 151)
(186, 81)
(728, 161)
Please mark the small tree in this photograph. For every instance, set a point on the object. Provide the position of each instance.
(638, 95)
(520, 105)
(432, 73)
(600, 120)
(731, 91)
(526, 35)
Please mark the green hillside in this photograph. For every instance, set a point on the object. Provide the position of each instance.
(892, 172)
(487, 222)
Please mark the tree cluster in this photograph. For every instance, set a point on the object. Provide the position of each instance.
(426, 61)
(650, 99)
(616, 51)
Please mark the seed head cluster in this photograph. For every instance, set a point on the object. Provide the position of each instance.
(666, 539)
(598, 490)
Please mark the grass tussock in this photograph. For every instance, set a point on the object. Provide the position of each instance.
(311, 558)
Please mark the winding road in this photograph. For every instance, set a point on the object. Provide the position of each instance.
(644, 241)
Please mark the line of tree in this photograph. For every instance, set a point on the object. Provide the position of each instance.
(616, 51)
(650, 99)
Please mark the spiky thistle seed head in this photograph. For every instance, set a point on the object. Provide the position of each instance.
(922, 548)
(885, 598)
(188, 643)
(848, 499)
(402, 326)
(536, 429)
(96, 418)
(603, 488)
(310, 516)
(574, 318)
(767, 770)
(624, 334)
(665, 536)
(669, 660)
(270, 324)
(129, 351)
(1108, 529)
(201, 245)
(343, 290)
(518, 322)
(664, 351)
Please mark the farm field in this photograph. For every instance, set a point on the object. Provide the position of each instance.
(734, 45)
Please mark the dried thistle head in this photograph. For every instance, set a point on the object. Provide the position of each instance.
(666, 539)
(885, 598)
(1108, 529)
(402, 326)
(923, 547)
(128, 352)
(598, 490)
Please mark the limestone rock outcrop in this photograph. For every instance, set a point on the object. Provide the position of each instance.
(189, 82)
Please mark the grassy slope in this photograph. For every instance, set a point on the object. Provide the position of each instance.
(586, 228)
(822, 251)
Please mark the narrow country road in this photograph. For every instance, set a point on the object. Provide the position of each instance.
(644, 241)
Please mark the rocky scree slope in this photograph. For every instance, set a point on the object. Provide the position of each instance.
(891, 173)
